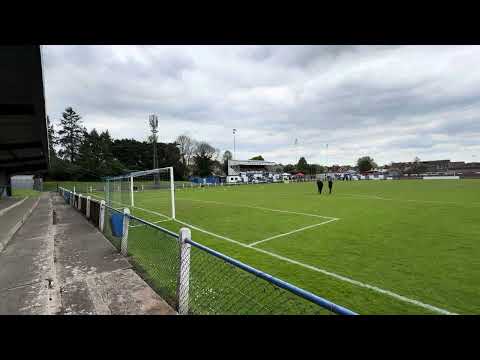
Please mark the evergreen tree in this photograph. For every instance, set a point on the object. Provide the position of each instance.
(52, 140)
(70, 135)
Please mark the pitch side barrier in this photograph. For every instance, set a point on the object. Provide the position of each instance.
(193, 278)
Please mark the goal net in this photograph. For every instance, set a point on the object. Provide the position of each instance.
(151, 192)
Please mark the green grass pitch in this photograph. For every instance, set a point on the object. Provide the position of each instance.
(375, 247)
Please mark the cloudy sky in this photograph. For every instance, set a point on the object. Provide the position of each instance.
(390, 102)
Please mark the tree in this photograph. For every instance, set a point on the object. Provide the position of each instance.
(302, 165)
(52, 140)
(96, 159)
(90, 157)
(186, 146)
(203, 158)
(289, 168)
(365, 164)
(70, 135)
(258, 157)
(316, 169)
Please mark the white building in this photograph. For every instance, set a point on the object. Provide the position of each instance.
(248, 170)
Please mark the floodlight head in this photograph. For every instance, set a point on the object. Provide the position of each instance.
(153, 120)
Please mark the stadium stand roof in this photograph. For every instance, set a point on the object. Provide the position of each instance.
(250, 163)
(234, 165)
(23, 135)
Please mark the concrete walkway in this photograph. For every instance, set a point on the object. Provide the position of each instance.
(69, 268)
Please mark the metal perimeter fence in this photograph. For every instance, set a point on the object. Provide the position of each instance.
(193, 278)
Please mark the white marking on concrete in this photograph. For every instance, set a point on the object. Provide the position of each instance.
(3, 211)
(4, 242)
(262, 208)
(55, 303)
(290, 232)
(329, 273)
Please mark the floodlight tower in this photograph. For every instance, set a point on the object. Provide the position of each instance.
(153, 121)
(326, 156)
(234, 132)
(296, 150)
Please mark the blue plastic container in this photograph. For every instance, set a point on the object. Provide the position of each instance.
(116, 222)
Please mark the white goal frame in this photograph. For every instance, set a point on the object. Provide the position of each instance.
(131, 178)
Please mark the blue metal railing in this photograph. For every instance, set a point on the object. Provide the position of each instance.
(324, 303)
(328, 305)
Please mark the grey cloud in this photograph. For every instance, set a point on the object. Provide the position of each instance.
(383, 101)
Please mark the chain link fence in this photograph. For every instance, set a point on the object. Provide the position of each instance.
(195, 279)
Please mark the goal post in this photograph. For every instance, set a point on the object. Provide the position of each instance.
(143, 191)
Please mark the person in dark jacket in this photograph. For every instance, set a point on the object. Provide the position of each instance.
(330, 184)
(320, 185)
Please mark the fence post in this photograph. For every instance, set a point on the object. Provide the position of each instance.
(87, 210)
(126, 220)
(101, 221)
(184, 274)
(79, 202)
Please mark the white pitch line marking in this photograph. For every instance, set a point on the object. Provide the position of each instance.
(329, 273)
(375, 197)
(210, 233)
(262, 208)
(155, 222)
(291, 232)
(136, 207)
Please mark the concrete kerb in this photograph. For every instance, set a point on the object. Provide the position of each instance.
(4, 241)
(4, 211)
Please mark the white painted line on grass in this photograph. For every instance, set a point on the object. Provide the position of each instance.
(329, 273)
(139, 208)
(291, 232)
(210, 233)
(375, 197)
(262, 208)
(155, 222)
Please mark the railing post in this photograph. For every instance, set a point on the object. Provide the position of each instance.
(126, 220)
(87, 210)
(184, 274)
(101, 221)
(79, 202)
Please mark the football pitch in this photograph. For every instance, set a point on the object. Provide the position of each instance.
(375, 247)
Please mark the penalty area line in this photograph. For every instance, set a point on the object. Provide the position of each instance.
(260, 208)
(328, 273)
(291, 232)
